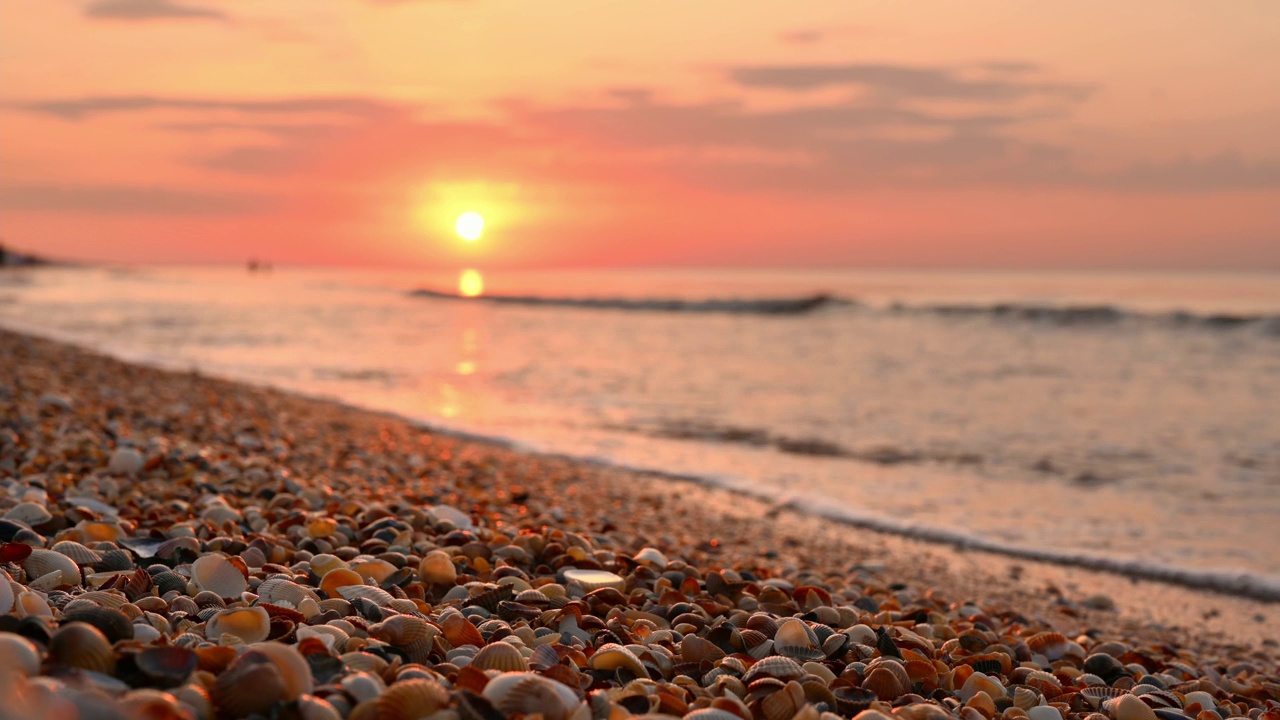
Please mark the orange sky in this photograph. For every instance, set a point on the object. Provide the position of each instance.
(666, 132)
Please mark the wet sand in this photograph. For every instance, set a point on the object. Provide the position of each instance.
(355, 458)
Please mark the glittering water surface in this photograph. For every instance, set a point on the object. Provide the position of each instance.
(1126, 415)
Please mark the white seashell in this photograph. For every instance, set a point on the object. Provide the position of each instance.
(216, 574)
(1044, 712)
(6, 593)
(795, 640)
(125, 461)
(376, 595)
(980, 682)
(77, 552)
(527, 693)
(47, 582)
(32, 604)
(279, 591)
(29, 513)
(294, 669)
(651, 557)
(42, 562)
(145, 633)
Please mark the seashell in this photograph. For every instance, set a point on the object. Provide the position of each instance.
(363, 686)
(612, 656)
(1025, 698)
(91, 532)
(321, 528)
(125, 461)
(77, 552)
(884, 683)
(249, 624)
(377, 570)
(18, 655)
(363, 662)
(376, 595)
(218, 575)
(337, 578)
(324, 563)
(412, 699)
(1098, 694)
(853, 700)
(696, 649)
(594, 579)
(1044, 712)
(107, 599)
(252, 685)
(712, 713)
(1131, 707)
(459, 631)
(169, 666)
(437, 568)
(982, 703)
(413, 634)
(294, 670)
(651, 557)
(783, 704)
(500, 656)
(775, 666)
(279, 591)
(81, 645)
(7, 597)
(334, 638)
(795, 640)
(1052, 645)
(41, 563)
(528, 693)
(110, 622)
(29, 513)
(30, 603)
(980, 682)
(115, 560)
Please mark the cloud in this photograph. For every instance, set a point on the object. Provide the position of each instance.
(141, 10)
(901, 81)
(801, 37)
(128, 200)
(82, 108)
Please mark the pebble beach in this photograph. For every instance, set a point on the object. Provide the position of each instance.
(178, 546)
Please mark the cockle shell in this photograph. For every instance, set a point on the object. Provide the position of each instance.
(412, 699)
(612, 656)
(77, 552)
(1098, 694)
(252, 685)
(794, 639)
(218, 575)
(363, 686)
(651, 557)
(981, 682)
(437, 568)
(337, 578)
(325, 563)
(1052, 645)
(30, 603)
(376, 595)
(293, 667)
(376, 570)
(81, 645)
(783, 704)
(886, 684)
(500, 656)
(29, 513)
(594, 579)
(18, 655)
(7, 596)
(248, 624)
(527, 693)
(774, 666)
(413, 634)
(41, 563)
(279, 591)
(1130, 707)
(459, 631)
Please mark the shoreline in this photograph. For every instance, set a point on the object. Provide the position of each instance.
(750, 531)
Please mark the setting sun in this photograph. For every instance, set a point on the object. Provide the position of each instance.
(469, 226)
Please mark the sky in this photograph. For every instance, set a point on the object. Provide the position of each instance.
(806, 133)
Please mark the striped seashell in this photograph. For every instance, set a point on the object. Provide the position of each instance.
(1025, 698)
(41, 563)
(1098, 694)
(1045, 682)
(403, 606)
(48, 582)
(338, 578)
(528, 693)
(489, 598)
(169, 581)
(886, 684)
(81, 645)
(77, 552)
(218, 575)
(376, 595)
(338, 605)
(105, 598)
(1052, 645)
(784, 704)
(795, 640)
(612, 656)
(111, 622)
(249, 625)
(413, 699)
(278, 591)
(762, 623)
(775, 666)
(413, 634)
(500, 656)
(334, 638)
(459, 631)
(363, 662)
(115, 559)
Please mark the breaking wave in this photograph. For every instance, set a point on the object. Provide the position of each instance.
(745, 306)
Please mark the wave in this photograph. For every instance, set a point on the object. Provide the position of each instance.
(746, 306)
(1086, 315)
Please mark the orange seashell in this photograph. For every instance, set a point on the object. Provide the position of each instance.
(500, 656)
(923, 671)
(884, 683)
(471, 678)
(459, 631)
(337, 578)
(1053, 645)
(214, 659)
(412, 699)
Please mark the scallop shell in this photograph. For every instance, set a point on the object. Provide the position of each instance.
(278, 591)
(1052, 645)
(218, 575)
(1098, 694)
(775, 666)
(412, 699)
(376, 595)
(795, 640)
(249, 625)
(29, 513)
(81, 645)
(528, 693)
(41, 563)
(334, 638)
(500, 656)
(1025, 698)
(105, 598)
(115, 625)
(783, 704)
(459, 631)
(413, 634)
(885, 684)
(77, 552)
(696, 649)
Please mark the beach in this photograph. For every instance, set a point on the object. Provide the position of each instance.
(179, 454)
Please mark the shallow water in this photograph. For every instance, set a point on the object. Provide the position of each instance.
(1123, 416)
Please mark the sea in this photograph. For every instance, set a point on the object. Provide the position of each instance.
(1126, 422)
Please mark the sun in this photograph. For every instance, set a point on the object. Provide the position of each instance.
(469, 226)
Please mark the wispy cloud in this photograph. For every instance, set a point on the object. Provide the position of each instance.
(142, 10)
(86, 107)
(128, 200)
(903, 81)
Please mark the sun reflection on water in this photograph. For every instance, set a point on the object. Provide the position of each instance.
(470, 283)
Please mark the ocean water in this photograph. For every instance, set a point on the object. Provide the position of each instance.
(1121, 421)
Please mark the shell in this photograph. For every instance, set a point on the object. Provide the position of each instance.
(7, 597)
(795, 640)
(325, 563)
(376, 595)
(412, 699)
(168, 665)
(459, 631)
(1052, 645)
(293, 668)
(528, 693)
(612, 656)
(884, 683)
(376, 570)
(594, 579)
(775, 666)
(29, 513)
(363, 686)
(783, 704)
(218, 575)
(252, 685)
(81, 645)
(41, 563)
(249, 625)
(115, 625)
(279, 591)
(500, 656)
(18, 655)
(77, 552)
(981, 682)
(1098, 694)
(437, 568)
(337, 578)
(415, 635)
